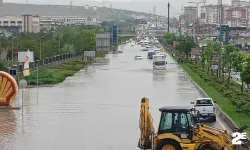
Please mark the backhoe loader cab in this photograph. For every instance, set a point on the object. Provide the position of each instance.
(178, 131)
(177, 121)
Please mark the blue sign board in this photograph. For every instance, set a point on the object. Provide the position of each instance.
(115, 35)
(225, 34)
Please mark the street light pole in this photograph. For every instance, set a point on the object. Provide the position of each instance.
(60, 45)
(41, 47)
(12, 51)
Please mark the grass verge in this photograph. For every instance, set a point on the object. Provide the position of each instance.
(54, 75)
(223, 102)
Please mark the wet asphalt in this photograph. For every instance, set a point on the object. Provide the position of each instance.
(98, 108)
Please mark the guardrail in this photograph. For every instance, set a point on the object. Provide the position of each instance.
(48, 61)
(223, 116)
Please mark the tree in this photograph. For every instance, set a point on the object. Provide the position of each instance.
(229, 55)
(67, 48)
(237, 65)
(169, 38)
(184, 45)
(209, 55)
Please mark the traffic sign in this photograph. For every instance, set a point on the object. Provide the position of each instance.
(115, 35)
(225, 34)
(225, 28)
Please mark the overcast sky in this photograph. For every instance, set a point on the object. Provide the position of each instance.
(135, 5)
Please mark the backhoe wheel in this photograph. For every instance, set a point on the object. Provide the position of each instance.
(169, 145)
(207, 146)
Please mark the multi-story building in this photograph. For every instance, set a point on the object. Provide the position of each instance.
(210, 14)
(67, 20)
(49, 22)
(239, 3)
(27, 23)
(190, 14)
(30, 23)
(237, 16)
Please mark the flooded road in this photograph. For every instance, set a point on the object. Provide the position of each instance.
(98, 108)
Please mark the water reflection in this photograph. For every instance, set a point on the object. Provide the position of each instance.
(99, 100)
(7, 123)
(159, 75)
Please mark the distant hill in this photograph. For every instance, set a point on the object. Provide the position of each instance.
(107, 14)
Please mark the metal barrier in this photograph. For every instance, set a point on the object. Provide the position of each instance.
(50, 60)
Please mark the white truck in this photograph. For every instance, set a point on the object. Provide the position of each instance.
(159, 62)
(205, 108)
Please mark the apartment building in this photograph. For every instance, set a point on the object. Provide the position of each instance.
(210, 15)
(237, 16)
(190, 14)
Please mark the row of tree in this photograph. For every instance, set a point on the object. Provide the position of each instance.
(232, 59)
(65, 40)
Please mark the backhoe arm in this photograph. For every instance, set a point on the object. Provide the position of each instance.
(146, 140)
(214, 136)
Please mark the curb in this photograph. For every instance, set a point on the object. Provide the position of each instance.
(223, 116)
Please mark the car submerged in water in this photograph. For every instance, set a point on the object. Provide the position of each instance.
(138, 57)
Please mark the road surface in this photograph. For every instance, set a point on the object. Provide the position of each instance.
(98, 108)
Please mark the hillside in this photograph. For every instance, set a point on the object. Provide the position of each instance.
(13, 9)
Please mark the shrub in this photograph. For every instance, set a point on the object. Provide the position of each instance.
(232, 93)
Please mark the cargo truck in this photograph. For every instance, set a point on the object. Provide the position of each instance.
(159, 62)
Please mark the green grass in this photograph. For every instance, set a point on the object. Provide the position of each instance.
(56, 74)
(225, 104)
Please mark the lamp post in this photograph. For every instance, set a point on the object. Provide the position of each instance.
(12, 51)
(60, 44)
(197, 21)
(41, 47)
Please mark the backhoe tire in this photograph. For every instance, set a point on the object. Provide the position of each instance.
(207, 147)
(172, 145)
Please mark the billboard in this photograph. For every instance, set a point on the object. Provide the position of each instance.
(22, 56)
(103, 42)
(89, 53)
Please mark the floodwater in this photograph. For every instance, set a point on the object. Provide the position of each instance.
(98, 108)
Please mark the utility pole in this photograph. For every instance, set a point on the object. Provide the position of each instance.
(181, 17)
(180, 25)
(220, 52)
(155, 16)
(71, 8)
(197, 20)
(168, 15)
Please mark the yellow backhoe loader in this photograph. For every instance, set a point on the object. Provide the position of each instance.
(178, 131)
